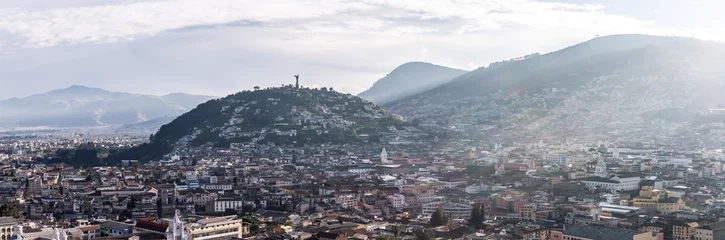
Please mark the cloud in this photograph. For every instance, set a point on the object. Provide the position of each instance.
(221, 46)
(128, 21)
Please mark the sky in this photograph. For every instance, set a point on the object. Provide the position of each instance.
(218, 47)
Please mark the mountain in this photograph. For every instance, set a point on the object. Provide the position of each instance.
(409, 79)
(608, 84)
(282, 116)
(80, 106)
(150, 126)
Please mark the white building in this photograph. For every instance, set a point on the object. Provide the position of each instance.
(221, 205)
(618, 184)
(455, 210)
(397, 201)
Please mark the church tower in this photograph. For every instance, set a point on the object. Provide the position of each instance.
(601, 169)
(384, 157)
(500, 169)
(176, 229)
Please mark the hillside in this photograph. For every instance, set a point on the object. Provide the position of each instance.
(409, 79)
(605, 84)
(283, 116)
(79, 106)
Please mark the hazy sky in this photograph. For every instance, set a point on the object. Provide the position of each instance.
(222, 46)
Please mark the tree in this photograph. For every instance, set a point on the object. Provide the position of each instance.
(478, 215)
(159, 208)
(397, 230)
(423, 234)
(193, 162)
(438, 218)
(253, 227)
(10, 210)
(131, 204)
(385, 237)
(256, 88)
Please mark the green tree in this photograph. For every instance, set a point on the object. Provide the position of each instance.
(10, 210)
(159, 208)
(438, 218)
(423, 234)
(193, 162)
(253, 226)
(478, 215)
(131, 205)
(385, 237)
(397, 230)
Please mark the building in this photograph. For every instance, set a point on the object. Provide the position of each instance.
(616, 183)
(113, 228)
(217, 228)
(528, 212)
(715, 231)
(684, 231)
(670, 205)
(576, 232)
(347, 199)
(397, 201)
(7, 225)
(90, 232)
(455, 210)
(222, 204)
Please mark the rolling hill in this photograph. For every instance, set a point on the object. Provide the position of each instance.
(280, 116)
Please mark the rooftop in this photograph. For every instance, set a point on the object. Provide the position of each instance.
(597, 233)
(8, 221)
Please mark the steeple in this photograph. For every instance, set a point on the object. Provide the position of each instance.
(601, 169)
(384, 156)
(175, 231)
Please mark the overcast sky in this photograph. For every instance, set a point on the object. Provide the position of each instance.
(217, 47)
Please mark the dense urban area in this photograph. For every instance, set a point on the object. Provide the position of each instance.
(588, 159)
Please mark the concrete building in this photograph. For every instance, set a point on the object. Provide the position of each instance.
(6, 227)
(217, 228)
(684, 231)
(455, 210)
(222, 204)
(715, 231)
(397, 201)
(576, 232)
(528, 212)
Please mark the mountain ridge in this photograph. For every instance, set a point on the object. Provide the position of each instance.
(409, 79)
(81, 106)
(631, 78)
